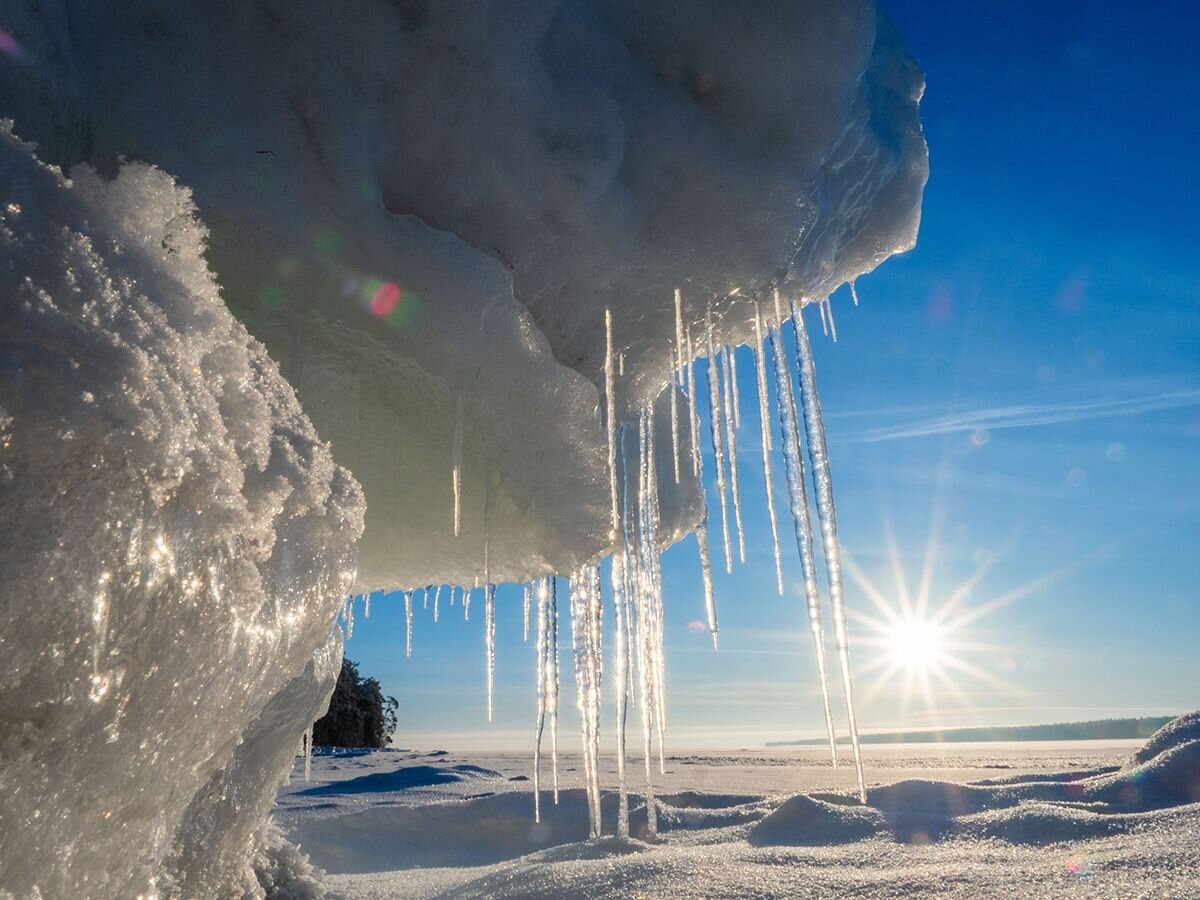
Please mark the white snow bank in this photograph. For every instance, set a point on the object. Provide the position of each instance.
(176, 543)
(417, 202)
(1164, 775)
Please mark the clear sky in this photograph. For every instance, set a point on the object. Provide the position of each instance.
(1013, 416)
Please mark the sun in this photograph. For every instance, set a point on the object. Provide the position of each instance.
(926, 642)
(916, 645)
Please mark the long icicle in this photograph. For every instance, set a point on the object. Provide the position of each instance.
(731, 443)
(527, 599)
(618, 592)
(621, 686)
(456, 473)
(676, 376)
(552, 655)
(595, 622)
(541, 645)
(653, 571)
(408, 623)
(710, 600)
(610, 407)
(645, 655)
(731, 350)
(630, 567)
(715, 417)
(760, 378)
(489, 596)
(798, 500)
(689, 372)
(818, 456)
(437, 597)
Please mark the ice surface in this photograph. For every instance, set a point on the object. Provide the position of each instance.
(732, 825)
(395, 260)
(177, 545)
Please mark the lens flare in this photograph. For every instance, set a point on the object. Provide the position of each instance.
(385, 298)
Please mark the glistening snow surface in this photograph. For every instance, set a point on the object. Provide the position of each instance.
(1055, 819)
(176, 544)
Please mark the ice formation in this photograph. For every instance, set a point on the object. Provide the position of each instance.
(401, 268)
(177, 543)
(459, 315)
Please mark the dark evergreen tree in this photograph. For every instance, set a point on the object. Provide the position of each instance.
(359, 715)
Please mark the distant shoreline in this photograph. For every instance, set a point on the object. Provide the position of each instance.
(1097, 729)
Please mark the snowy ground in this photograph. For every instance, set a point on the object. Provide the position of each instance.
(1037, 819)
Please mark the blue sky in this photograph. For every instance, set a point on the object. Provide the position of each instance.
(1016, 403)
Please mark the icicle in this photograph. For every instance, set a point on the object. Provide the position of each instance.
(760, 378)
(645, 640)
(489, 593)
(824, 320)
(679, 323)
(350, 619)
(676, 377)
(652, 578)
(552, 682)
(308, 739)
(689, 372)
(629, 566)
(827, 513)
(828, 307)
(489, 629)
(610, 405)
(621, 686)
(425, 598)
(793, 465)
(710, 600)
(366, 606)
(528, 599)
(541, 646)
(466, 603)
(436, 600)
(585, 641)
(854, 293)
(731, 442)
(715, 417)
(731, 352)
(672, 390)
(408, 623)
(456, 474)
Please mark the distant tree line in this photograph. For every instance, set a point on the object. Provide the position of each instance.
(1095, 730)
(359, 715)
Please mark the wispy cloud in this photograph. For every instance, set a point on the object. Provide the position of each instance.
(1030, 415)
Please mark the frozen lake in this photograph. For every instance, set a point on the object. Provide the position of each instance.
(960, 820)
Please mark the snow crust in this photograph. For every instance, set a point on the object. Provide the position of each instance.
(420, 207)
(1066, 819)
(177, 542)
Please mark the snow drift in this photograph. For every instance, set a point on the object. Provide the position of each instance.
(1164, 774)
(424, 209)
(177, 541)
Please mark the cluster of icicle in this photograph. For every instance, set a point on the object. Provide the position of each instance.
(636, 587)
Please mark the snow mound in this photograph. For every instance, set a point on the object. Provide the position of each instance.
(471, 833)
(1043, 809)
(804, 820)
(177, 543)
(1177, 731)
(424, 209)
